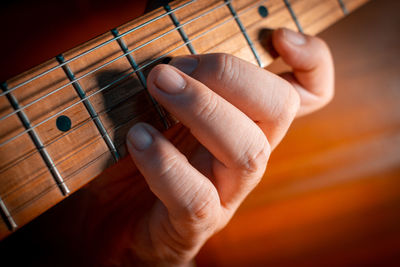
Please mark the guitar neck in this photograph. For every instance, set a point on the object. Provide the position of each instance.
(64, 122)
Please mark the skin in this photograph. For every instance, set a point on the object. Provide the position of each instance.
(239, 113)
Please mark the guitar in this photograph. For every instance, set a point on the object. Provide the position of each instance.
(63, 123)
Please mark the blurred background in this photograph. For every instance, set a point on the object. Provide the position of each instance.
(331, 194)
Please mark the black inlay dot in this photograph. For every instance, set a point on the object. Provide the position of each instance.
(263, 11)
(63, 123)
(166, 60)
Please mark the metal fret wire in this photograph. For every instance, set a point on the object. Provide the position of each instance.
(121, 125)
(109, 109)
(95, 48)
(123, 55)
(92, 141)
(77, 127)
(108, 63)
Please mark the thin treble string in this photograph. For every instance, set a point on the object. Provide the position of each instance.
(98, 137)
(110, 62)
(81, 148)
(117, 104)
(115, 81)
(47, 190)
(75, 128)
(95, 48)
(128, 74)
(69, 176)
(88, 120)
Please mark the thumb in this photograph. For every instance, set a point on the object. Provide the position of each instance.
(313, 72)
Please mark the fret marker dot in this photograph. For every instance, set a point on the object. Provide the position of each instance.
(63, 123)
(263, 11)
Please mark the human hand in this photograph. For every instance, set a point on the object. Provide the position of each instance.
(239, 113)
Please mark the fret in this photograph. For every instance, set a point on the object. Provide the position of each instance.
(69, 150)
(352, 5)
(126, 101)
(5, 214)
(154, 40)
(106, 103)
(243, 30)
(142, 78)
(180, 30)
(206, 36)
(62, 145)
(257, 25)
(37, 142)
(316, 15)
(93, 114)
(343, 7)
(20, 165)
(294, 17)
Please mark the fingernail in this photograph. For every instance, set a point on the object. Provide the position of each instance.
(293, 37)
(170, 81)
(185, 64)
(139, 137)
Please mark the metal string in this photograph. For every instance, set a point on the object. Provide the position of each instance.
(75, 128)
(92, 141)
(122, 77)
(106, 111)
(95, 48)
(106, 64)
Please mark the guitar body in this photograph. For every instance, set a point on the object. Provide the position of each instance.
(325, 203)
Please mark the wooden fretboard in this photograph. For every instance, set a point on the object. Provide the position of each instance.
(64, 122)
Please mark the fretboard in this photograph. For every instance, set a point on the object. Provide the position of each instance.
(64, 122)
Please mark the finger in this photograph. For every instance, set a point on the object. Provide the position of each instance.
(232, 137)
(181, 188)
(313, 72)
(265, 97)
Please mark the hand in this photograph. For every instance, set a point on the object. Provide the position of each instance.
(238, 113)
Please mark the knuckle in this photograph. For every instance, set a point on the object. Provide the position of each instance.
(202, 206)
(201, 213)
(207, 106)
(227, 68)
(253, 162)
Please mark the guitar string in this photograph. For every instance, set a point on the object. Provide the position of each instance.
(109, 109)
(89, 119)
(96, 47)
(83, 123)
(123, 77)
(47, 190)
(77, 127)
(70, 176)
(98, 137)
(31, 153)
(105, 64)
(81, 148)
